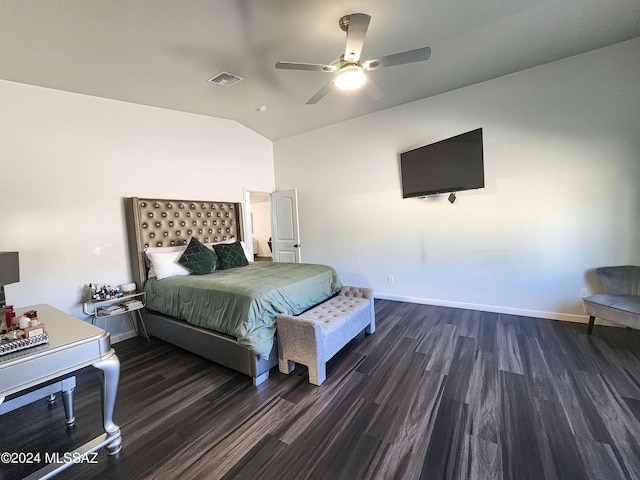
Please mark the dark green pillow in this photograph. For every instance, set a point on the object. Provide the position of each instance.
(231, 255)
(198, 258)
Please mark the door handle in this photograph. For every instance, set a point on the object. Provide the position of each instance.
(296, 246)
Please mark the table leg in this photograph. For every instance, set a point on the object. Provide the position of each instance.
(110, 368)
(67, 401)
(144, 327)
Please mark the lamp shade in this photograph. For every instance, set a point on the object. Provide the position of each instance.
(9, 268)
(350, 78)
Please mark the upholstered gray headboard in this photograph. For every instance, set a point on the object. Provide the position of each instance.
(156, 222)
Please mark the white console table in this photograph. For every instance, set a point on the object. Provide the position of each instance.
(73, 344)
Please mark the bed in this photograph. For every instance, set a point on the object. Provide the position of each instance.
(228, 315)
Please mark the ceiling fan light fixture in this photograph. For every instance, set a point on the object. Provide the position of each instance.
(350, 71)
(350, 78)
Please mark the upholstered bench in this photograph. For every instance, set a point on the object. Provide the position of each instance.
(314, 336)
(621, 302)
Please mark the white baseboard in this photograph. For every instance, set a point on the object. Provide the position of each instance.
(123, 336)
(567, 317)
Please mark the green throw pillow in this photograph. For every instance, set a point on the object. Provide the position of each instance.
(198, 258)
(231, 255)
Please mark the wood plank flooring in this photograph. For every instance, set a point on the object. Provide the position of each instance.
(436, 393)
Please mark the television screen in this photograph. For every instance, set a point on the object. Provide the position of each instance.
(450, 165)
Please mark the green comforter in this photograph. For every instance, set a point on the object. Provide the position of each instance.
(243, 302)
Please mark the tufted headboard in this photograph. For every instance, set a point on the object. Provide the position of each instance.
(155, 222)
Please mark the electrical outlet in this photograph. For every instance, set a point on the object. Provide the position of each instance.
(390, 279)
(584, 292)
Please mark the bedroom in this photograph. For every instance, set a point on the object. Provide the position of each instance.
(560, 199)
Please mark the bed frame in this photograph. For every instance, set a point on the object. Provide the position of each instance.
(155, 222)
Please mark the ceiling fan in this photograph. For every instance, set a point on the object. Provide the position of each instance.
(350, 72)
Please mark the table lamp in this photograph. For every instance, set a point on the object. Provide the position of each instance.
(9, 273)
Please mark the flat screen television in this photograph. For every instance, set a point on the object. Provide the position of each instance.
(450, 165)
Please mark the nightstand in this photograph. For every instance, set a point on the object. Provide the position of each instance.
(130, 303)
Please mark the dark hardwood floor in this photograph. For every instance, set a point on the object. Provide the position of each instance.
(436, 393)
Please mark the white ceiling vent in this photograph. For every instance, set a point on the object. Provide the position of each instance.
(226, 79)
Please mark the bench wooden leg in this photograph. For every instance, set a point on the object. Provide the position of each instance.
(592, 321)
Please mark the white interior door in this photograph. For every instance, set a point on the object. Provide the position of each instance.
(285, 234)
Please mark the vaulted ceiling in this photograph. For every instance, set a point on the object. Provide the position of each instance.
(162, 53)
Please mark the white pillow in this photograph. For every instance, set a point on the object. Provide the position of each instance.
(165, 264)
(174, 248)
(148, 250)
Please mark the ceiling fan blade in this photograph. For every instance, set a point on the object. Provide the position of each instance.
(321, 93)
(306, 66)
(411, 56)
(356, 32)
(373, 90)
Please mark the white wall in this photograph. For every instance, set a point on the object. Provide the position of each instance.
(562, 156)
(69, 160)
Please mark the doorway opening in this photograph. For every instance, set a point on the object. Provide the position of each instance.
(258, 230)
